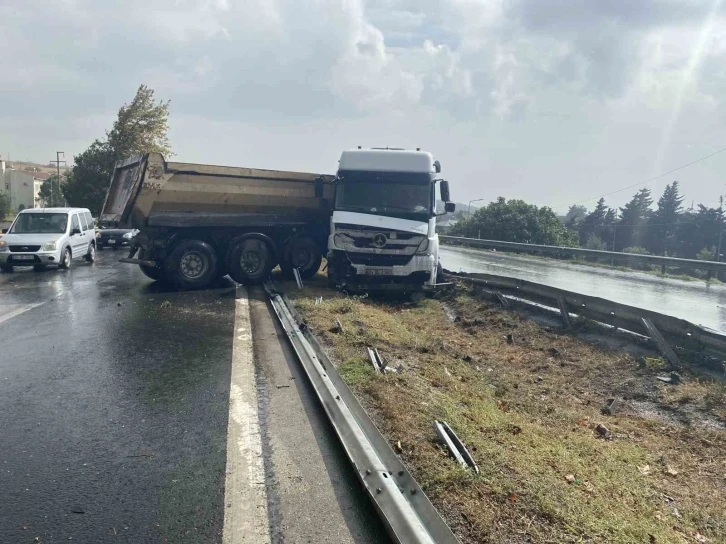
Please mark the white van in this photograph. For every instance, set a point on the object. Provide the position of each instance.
(48, 236)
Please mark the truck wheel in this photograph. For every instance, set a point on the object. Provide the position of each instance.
(192, 265)
(153, 272)
(249, 261)
(301, 253)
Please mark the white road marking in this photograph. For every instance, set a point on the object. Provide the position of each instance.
(245, 494)
(13, 310)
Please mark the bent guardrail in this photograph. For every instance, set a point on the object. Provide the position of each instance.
(405, 510)
(630, 258)
(679, 332)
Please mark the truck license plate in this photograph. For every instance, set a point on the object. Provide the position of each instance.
(379, 272)
(23, 257)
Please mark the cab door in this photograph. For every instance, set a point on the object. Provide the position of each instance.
(79, 244)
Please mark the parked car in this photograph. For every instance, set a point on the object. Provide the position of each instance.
(39, 237)
(114, 238)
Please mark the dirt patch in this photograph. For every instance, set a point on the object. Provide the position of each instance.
(526, 398)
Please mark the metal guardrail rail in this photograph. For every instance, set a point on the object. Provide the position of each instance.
(630, 258)
(405, 510)
(676, 332)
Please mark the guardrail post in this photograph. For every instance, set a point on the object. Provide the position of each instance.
(663, 346)
(562, 303)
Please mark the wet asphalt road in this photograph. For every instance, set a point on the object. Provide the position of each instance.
(113, 407)
(114, 399)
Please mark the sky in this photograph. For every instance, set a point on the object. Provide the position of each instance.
(552, 101)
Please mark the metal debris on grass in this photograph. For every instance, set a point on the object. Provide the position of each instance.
(609, 408)
(298, 279)
(456, 447)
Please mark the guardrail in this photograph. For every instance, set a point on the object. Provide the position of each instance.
(666, 331)
(629, 258)
(407, 513)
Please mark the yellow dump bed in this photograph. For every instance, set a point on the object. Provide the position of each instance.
(146, 191)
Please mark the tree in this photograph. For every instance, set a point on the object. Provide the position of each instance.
(517, 221)
(663, 224)
(575, 214)
(633, 219)
(87, 182)
(51, 192)
(595, 223)
(140, 127)
(4, 204)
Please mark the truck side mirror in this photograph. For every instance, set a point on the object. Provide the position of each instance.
(449, 207)
(318, 187)
(437, 167)
(445, 196)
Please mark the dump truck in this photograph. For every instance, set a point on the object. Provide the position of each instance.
(198, 223)
(375, 220)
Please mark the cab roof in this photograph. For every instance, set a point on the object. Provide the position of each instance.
(388, 160)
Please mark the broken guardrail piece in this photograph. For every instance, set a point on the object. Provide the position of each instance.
(456, 447)
(298, 279)
(374, 360)
(380, 365)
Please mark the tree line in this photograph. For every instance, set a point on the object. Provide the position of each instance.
(669, 229)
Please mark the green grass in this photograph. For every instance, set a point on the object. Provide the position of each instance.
(528, 419)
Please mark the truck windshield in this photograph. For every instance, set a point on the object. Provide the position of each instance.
(40, 223)
(393, 195)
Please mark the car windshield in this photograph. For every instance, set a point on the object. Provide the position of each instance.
(396, 196)
(39, 223)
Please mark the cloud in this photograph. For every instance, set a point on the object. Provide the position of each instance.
(490, 75)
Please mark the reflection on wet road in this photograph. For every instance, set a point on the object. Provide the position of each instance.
(695, 301)
(113, 407)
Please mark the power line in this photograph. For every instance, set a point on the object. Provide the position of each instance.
(647, 180)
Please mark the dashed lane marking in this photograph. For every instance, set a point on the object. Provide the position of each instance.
(245, 495)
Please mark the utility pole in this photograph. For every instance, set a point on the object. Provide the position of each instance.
(57, 162)
(720, 229)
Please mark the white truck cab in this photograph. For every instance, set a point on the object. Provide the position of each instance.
(383, 227)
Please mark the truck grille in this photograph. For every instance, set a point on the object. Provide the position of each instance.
(24, 249)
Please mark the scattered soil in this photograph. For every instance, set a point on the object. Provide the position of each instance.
(528, 411)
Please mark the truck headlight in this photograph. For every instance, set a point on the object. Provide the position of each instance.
(3, 246)
(50, 246)
(423, 247)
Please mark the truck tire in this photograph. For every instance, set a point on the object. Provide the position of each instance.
(301, 253)
(191, 265)
(249, 261)
(153, 272)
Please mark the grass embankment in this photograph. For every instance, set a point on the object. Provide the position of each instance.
(528, 412)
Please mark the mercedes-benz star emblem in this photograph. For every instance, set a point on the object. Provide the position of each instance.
(24, 249)
(380, 240)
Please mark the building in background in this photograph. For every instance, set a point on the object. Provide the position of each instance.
(22, 185)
